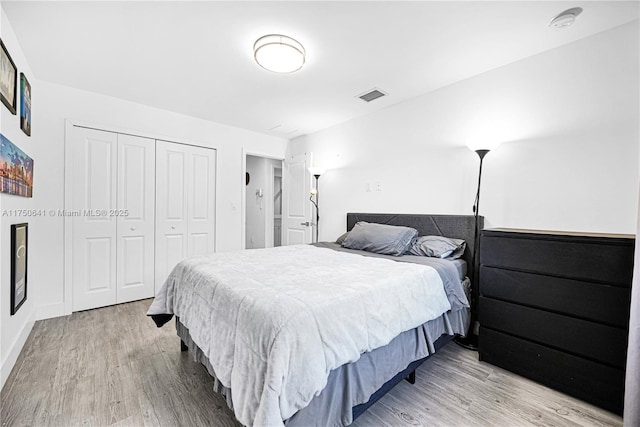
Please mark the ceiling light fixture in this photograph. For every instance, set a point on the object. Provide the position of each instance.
(565, 18)
(278, 53)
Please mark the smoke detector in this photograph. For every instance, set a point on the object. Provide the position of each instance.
(566, 18)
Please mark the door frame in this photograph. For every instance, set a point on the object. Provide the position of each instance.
(69, 170)
(243, 197)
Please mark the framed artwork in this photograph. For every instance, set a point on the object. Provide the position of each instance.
(16, 170)
(8, 79)
(25, 105)
(19, 234)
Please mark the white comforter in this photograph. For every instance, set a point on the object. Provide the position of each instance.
(274, 322)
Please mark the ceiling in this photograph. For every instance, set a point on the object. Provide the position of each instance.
(196, 58)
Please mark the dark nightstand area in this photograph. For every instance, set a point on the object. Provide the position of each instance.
(554, 307)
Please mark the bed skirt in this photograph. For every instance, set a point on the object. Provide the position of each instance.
(354, 384)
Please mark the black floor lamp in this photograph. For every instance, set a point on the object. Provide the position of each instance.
(470, 341)
(316, 172)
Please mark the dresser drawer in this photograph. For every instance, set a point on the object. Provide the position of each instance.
(595, 383)
(592, 301)
(602, 343)
(592, 259)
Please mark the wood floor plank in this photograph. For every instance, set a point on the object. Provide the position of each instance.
(132, 421)
(113, 367)
(30, 389)
(115, 390)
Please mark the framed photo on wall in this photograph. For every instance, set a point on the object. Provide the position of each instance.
(19, 234)
(16, 170)
(25, 105)
(8, 79)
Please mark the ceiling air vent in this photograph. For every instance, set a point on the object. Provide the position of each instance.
(371, 95)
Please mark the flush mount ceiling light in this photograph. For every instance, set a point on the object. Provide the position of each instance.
(278, 53)
(565, 18)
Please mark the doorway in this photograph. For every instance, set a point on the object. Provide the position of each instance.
(263, 202)
(277, 206)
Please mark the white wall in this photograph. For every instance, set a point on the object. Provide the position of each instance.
(632, 380)
(569, 122)
(15, 329)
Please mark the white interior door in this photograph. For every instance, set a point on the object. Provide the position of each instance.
(171, 208)
(94, 181)
(201, 177)
(135, 218)
(296, 207)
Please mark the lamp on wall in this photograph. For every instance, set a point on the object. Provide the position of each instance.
(316, 171)
(470, 341)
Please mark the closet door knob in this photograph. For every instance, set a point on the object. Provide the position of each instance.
(133, 229)
(173, 227)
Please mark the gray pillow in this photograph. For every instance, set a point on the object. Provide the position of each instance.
(438, 247)
(342, 238)
(380, 238)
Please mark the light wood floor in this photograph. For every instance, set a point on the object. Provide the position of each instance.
(112, 366)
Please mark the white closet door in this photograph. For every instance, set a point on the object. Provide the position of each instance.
(135, 218)
(171, 208)
(93, 232)
(201, 200)
(185, 204)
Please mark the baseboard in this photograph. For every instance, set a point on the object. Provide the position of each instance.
(9, 362)
(50, 310)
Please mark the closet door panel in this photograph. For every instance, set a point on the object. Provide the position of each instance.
(93, 254)
(135, 218)
(176, 249)
(171, 208)
(132, 251)
(201, 200)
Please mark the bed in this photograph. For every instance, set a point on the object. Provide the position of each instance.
(315, 334)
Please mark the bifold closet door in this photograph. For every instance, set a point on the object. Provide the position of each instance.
(112, 218)
(185, 204)
(135, 218)
(201, 174)
(93, 235)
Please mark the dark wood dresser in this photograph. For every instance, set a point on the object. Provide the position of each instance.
(554, 307)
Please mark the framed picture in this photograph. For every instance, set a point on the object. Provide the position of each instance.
(16, 170)
(25, 105)
(8, 79)
(19, 251)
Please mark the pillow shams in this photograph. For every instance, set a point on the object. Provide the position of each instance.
(438, 247)
(380, 238)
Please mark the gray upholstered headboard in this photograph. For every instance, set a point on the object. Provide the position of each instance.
(455, 226)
